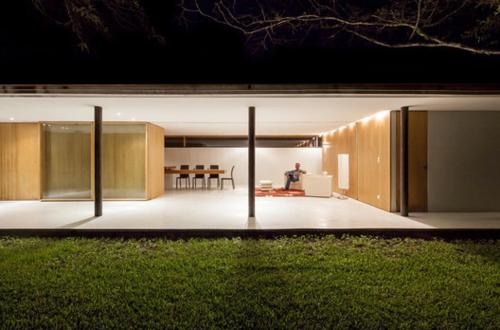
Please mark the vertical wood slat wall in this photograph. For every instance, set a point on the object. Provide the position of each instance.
(155, 161)
(373, 147)
(19, 161)
(23, 171)
(342, 142)
(374, 161)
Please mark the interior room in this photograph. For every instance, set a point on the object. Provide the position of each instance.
(181, 162)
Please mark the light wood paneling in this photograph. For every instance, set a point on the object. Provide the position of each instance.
(66, 161)
(342, 141)
(124, 161)
(156, 160)
(19, 161)
(328, 156)
(417, 160)
(374, 163)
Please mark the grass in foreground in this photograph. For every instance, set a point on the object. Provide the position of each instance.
(303, 282)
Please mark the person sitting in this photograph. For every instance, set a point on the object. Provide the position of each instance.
(293, 175)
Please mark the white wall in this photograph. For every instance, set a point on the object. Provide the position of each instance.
(271, 163)
(464, 161)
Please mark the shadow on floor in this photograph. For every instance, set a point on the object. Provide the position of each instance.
(78, 223)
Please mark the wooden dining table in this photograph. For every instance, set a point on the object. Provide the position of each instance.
(172, 170)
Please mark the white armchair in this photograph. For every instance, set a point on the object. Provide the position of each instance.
(297, 185)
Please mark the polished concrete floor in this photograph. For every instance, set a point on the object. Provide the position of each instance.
(215, 209)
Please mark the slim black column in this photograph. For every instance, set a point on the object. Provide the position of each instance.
(97, 161)
(404, 162)
(251, 162)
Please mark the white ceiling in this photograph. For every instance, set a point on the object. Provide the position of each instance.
(227, 115)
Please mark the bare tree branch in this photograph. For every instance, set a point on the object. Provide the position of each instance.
(471, 26)
(399, 24)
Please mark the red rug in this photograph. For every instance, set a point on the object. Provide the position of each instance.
(279, 192)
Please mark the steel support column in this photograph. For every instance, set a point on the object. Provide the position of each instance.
(251, 162)
(403, 161)
(97, 161)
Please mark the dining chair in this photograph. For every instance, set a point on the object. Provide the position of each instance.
(185, 177)
(213, 176)
(228, 179)
(199, 177)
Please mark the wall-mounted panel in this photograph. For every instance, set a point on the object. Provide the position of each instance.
(66, 161)
(124, 161)
(374, 161)
(19, 161)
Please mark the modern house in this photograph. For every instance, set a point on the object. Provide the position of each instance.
(430, 153)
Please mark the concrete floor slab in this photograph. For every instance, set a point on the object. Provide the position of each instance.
(215, 209)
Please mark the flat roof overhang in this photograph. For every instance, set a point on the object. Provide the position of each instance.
(249, 89)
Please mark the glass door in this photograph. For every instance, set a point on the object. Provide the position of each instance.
(66, 161)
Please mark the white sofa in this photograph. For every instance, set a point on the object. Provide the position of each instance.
(317, 185)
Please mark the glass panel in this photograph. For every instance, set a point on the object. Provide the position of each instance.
(198, 142)
(288, 142)
(242, 142)
(66, 161)
(124, 161)
(174, 142)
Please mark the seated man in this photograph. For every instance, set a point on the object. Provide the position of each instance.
(293, 175)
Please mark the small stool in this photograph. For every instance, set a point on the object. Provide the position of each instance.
(266, 185)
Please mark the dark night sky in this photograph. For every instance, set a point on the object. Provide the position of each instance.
(35, 50)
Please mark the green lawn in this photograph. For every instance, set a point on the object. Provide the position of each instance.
(303, 282)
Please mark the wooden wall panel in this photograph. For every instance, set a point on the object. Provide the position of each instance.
(124, 161)
(374, 163)
(329, 154)
(328, 157)
(156, 160)
(19, 161)
(342, 141)
(368, 144)
(417, 161)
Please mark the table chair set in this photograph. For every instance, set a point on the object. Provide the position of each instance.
(202, 176)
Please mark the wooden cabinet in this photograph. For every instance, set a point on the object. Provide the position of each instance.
(124, 161)
(155, 173)
(133, 161)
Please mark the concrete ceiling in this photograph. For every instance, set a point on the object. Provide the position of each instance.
(227, 115)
